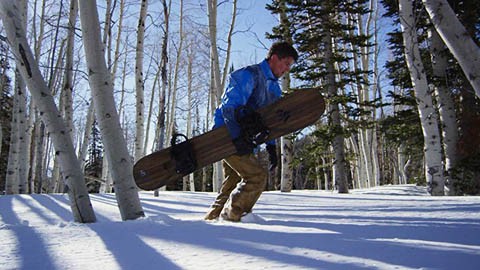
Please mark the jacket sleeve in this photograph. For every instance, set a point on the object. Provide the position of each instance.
(237, 93)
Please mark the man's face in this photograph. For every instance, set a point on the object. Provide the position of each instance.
(280, 66)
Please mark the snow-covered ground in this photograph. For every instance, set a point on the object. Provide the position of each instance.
(393, 227)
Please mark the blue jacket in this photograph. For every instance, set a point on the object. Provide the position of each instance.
(254, 86)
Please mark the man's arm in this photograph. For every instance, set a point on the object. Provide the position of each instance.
(237, 93)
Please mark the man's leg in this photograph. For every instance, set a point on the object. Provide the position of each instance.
(231, 180)
(246, 193)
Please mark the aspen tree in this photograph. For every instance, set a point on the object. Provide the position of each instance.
(428, 115)
(286, 143)
(457, 39)
(160, 132)
(139, 83)
(215, 81)
(11, 178)
(40, 138)
(446, 106)
(161, 126)
(367, 140)
(339, 168)
(17, 172)
(79, 200)
(173, 94)
(117, 42)
(100, 81)
(151, 108)
(67, 89)
(190, 134)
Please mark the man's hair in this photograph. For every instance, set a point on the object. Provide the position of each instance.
(282, 49)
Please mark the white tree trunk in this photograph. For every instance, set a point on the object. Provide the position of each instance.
(286, 178)
(11, 178)
(161, 127)
(79, 200)
(119, 38)
(38, 157)
(325, 174)
(107, 37)
(86, 135)
(160, 131)
(24, 132)
(212, 30)
(428, 114)
(357, 169)
(38, 171)
(215, 82)
(106, 185)
(446, 105)
(286, 144)
(102, 90)
(173, 103)
(191, 56)
(457, 39)
(229, 44)
(139, 84)
(400, 167)
(333, 110)
(150, 110)
(67, 90)
(24, 136)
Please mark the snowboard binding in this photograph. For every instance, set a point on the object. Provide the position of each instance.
(253, 128)
(182, 153)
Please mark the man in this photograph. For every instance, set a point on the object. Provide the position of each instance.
(251, 87)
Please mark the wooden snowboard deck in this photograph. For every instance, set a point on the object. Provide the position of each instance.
(289, 114)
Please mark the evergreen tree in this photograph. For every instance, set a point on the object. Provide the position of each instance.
(466, 173)
(93, 167)
(327, 37)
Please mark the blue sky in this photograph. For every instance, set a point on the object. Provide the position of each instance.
(246, 48)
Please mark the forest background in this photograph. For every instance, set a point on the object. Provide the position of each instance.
(125, 75)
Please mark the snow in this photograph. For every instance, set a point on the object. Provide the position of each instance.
(392, 227)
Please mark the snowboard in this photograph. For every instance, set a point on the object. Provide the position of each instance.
(301, 108)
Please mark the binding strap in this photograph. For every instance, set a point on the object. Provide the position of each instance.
(182, 153)
(253, 128)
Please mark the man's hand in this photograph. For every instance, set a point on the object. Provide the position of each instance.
(272, 156)
(243, 146)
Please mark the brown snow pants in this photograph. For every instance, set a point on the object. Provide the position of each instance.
(245, 180)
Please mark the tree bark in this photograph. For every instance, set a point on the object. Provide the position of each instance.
(428, 114)
(229, 44)
(173, 103)
(117, 43)
(102, 90)
(457, 39)
(67, 90)
(215, 80)
(139, 84)
(190, 133)
(11, 178)
(64, 150)
(446, 106)
(286, 143)
(160, 132)
(338, 144)
(24, 132)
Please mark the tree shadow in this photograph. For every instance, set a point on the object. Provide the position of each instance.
(282, 235)
(122, 238)
(30, 248)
